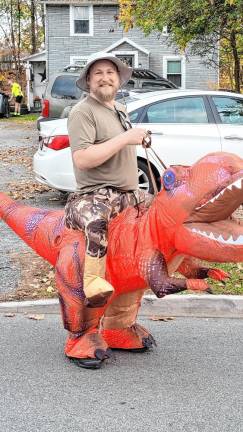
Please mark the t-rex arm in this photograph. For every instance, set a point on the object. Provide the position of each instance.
(153, 269)
(192, 268)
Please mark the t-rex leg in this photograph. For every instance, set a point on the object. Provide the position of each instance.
(84, 340)
(119, 327)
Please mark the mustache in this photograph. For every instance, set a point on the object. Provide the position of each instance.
(106, 83)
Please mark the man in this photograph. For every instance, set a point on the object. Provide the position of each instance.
(105, 165)
(17, 95)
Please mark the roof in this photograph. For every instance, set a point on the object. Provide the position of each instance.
(130, 42)
(37, 57)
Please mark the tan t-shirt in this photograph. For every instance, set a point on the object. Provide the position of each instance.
(91, 123)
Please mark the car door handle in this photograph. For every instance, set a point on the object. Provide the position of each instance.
(233, 137)
(155, 132)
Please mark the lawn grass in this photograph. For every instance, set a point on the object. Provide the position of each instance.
(234, 285)
(22, 118)
(231, 286)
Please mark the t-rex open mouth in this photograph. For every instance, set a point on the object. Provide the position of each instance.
(213, 219)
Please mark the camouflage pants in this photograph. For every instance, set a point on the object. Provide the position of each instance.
(92, 212)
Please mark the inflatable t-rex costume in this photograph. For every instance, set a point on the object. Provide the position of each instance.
(189, 219)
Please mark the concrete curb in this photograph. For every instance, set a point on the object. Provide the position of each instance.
(203, 305)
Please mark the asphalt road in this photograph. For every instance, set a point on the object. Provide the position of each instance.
(192, 382)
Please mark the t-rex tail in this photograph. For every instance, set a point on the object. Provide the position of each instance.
(41, 229)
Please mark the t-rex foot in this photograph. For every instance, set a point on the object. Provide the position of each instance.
(135, 338)
(87, 351)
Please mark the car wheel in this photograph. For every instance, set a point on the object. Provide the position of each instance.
(144, 180)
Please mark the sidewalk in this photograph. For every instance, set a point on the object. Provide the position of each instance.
(204, 305)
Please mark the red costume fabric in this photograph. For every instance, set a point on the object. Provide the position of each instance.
(190, 219)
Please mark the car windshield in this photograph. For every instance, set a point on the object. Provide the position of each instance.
(64, 87)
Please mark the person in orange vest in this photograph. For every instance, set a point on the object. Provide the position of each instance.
(17, 95)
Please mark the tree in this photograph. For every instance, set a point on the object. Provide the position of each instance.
(21, 28)
(196, 26)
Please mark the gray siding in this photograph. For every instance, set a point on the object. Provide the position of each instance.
(200, 76)
(60, 45)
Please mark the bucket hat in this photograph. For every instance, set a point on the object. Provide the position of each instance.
(124, 71)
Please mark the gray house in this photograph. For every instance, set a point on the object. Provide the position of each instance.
(77, 28)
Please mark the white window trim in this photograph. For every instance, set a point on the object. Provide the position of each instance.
(135, 53)
(73, 58)
(130, 42)
(183, 67)
(91, 21)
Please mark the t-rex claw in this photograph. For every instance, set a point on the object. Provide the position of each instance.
(103, 354)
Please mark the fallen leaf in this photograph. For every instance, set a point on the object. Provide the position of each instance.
(36, 317)
(161, 318)
(50, 289)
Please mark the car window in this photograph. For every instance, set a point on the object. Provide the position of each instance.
(134, 115)
(230, 110)
(130, 85)
(181, 110)
(64, 87)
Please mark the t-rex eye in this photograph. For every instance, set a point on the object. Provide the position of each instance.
(168, 179)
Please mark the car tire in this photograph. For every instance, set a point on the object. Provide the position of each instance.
(144, 180)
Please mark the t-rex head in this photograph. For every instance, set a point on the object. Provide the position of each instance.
(197, 203)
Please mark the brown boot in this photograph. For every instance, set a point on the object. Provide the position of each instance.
(96, 289)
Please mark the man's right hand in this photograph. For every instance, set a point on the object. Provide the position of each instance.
(135, 136)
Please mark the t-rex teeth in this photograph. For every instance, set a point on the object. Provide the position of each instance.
(220, 239)
(237, 184)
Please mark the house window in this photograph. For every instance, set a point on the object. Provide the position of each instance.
(78, 60)
(128, 57)
(174, 70)
(81, 20)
